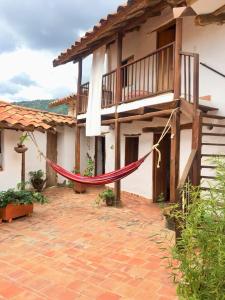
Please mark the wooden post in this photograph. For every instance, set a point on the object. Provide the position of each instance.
(177, 59)
(196, 144)
(175, 156)
(77, 129)
(23, 172)
(196, 82)
(117, 186)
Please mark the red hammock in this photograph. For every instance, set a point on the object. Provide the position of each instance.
(101, 179)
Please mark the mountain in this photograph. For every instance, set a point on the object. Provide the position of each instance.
(43, 105)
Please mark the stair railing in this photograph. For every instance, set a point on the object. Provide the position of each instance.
(186, 180)
(190, 77)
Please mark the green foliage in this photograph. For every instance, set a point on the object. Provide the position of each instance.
(20, 197)
(36, 175)
(89, 171)
(24, 137)
(43, 105)
(107, 194)
(201, 249)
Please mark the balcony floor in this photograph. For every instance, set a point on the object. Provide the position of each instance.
(71, 249)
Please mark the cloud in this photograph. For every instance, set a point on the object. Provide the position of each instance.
(23, 79)
(48, 25)
(16, 84)
(8, 88)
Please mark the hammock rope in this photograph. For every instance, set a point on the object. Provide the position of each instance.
(111, 176)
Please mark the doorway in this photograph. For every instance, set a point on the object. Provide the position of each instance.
(165, 58)
(99, 155)
(161, 175)
(52, 155)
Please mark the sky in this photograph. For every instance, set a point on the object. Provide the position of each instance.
(32, 34)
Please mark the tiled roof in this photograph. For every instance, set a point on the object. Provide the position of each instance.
(124, 19)
(66, 100)
(23, 118)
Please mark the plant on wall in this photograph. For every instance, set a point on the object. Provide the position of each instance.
(89, 171)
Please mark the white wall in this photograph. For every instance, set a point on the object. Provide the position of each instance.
(66, 149)
(87, 145)
(11, 174)
(209, 42)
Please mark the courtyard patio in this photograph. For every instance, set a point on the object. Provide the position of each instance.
(71, 249)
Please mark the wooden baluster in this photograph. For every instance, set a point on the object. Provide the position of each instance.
(196, 81)
(185, 78)
(177, 63)
(189, 78)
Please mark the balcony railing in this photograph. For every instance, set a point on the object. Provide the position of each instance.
(109, 89)
(83, 101)
(147, 77)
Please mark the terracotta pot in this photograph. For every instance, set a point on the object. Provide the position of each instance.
(79, 188)
(110, 201)
(20, 148)
(38, 185)
(12, 211)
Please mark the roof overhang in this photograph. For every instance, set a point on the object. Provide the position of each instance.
(127, 18)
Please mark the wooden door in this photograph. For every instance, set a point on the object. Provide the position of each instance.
(52, 155)
(99, 155)
(161, 176)
(165, 59)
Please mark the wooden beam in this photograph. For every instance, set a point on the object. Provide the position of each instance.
(177, 59)
(175, 156)
(196, 145)
(77, 128)
(117, 186)
(146, 116)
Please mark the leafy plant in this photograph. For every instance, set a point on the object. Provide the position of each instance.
(20, 197)
(37, 179)
(200, 250)
(89, 171)
(24, 137)
(37, 175)
(107, 196)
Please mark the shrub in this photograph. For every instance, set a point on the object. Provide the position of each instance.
(200, 250)
(20, 197)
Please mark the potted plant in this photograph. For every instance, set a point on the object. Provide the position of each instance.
(37, 180)
(78, 187)
(89, 172)
(21, 148)
(108, 197)
(14, 204)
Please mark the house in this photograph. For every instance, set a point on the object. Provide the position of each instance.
(152, 58)
(69, 101)
(54, 134)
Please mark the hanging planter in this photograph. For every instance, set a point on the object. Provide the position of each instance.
(20, 148)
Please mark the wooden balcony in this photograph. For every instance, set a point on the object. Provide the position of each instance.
(147, 77)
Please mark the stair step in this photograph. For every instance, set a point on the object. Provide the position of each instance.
(208, 177)
(208, 167)
(214, 125)
(212, 144)
(213, 134)
(213, 155)
(213, 117)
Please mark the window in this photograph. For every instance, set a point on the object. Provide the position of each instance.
(131, 149)
(1, 149)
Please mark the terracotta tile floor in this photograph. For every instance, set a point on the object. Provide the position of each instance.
(70, 249)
